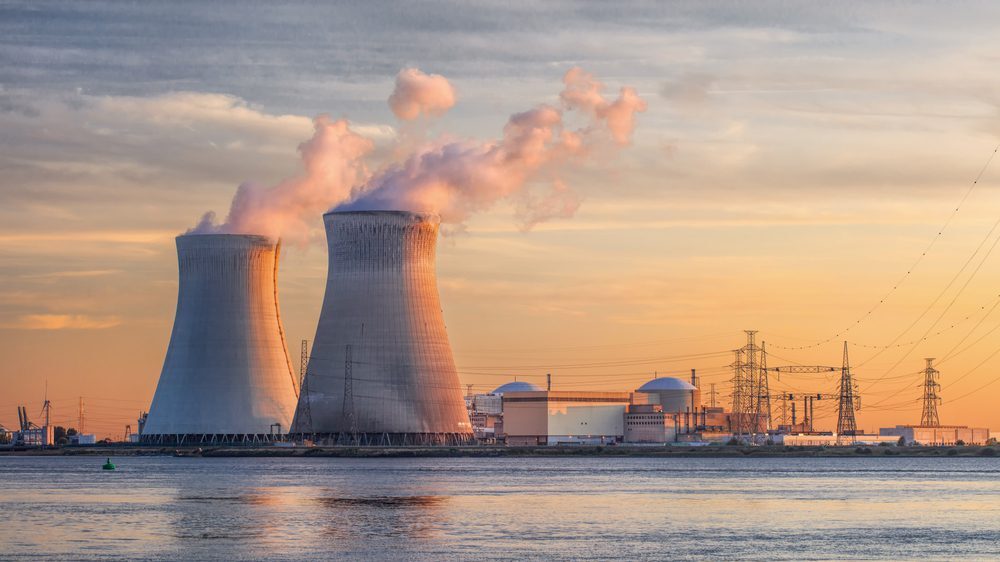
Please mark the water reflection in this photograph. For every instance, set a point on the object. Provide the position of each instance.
(383, 502)
(558, 509)
(383, 517)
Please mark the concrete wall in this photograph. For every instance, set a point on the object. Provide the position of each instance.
(586, 419)
(382, 301)
(944, 435)
(226, 369)
(559, 416)
(649, 427)
(671, 400)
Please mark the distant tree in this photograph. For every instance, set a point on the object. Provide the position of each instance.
(901, 442)
(59, 434)
(991, 441)
(960, 443)
(71, 431)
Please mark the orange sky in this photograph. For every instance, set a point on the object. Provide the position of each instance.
(788, 171)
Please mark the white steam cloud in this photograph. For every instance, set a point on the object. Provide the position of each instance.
(585, 93)
(418, 94)
(333, 162)
(455, 179)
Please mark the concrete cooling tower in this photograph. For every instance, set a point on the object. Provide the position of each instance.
(381, 370)
(226, 377)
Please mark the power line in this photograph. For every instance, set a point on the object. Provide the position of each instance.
(909, 270)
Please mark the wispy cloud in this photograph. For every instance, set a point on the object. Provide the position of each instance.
(62, 322)
(73, 274)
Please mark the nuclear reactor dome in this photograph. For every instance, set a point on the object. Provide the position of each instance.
(516, 386)
(665, 383)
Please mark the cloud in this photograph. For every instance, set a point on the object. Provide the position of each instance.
(584, 92)
(458, 178)
(332, 162)
(689, 90)
(418, 94)
(62, 322)
(74, 274)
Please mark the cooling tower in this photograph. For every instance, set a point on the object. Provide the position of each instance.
(226, 377)
(381, 370)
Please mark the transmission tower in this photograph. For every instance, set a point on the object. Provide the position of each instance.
(303, 363)
(929, 416)
(740, 394)
(712, 395)
(350, 424)
(762, 402)
(751, 402)
(303, 419)
(846, 424)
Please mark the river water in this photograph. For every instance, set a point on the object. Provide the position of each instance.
(165, 508)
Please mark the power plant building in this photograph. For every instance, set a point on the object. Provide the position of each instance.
(648, 423)
(226, 377)
(673, 394)
(564, 417)
(381, 370)
(938, 435)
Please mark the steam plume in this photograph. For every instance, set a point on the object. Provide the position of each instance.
(458, 178)
(452, 178)
(584, 92)
(333, 162)
(419, 94)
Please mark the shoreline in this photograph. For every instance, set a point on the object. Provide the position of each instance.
(493, 451)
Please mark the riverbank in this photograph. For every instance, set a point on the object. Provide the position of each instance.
(495, 451)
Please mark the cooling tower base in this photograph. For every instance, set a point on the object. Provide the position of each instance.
(389, 439)
(212, 439)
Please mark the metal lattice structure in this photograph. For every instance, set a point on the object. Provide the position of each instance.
(302, 424)
(846, 403)
(932, 397)
(350, 437)
(751, 413)
(303, 363)
(762, 396)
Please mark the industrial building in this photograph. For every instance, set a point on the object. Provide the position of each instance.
(648, 423)
(381, 371)
(486, 410)
(564, 417)
(226, 376)
(830, 439)
(938, 434)
(29, 434)
(663, 410)
(673, 394)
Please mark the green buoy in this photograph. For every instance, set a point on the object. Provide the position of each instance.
(108, 465)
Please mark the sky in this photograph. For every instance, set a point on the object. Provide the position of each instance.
(795, 163)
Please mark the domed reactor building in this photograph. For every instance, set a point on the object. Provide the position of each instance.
(381, 371)
(226, 377)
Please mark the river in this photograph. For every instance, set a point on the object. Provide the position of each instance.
(166, 508)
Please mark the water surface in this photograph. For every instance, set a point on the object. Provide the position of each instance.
(166, 508)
